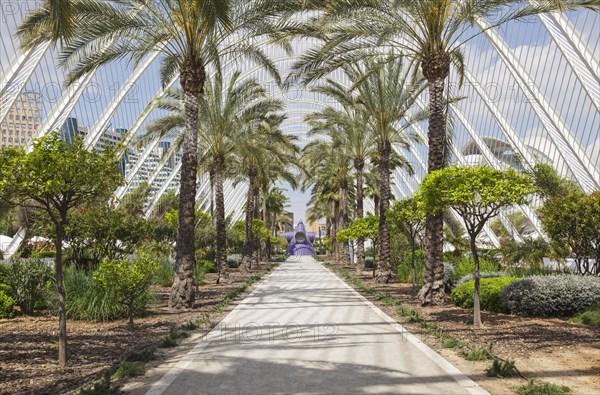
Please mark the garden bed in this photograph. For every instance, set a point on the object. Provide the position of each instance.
(29, 348)
(545, 349)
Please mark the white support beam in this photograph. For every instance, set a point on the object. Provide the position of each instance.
(63, 108)
(162, 190)
(585, 172)
(101, 124)
(13, 81)
(580, 58)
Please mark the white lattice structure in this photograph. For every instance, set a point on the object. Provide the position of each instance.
(532, 88)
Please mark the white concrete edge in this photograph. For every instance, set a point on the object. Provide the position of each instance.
(469, 385)
(160, 386)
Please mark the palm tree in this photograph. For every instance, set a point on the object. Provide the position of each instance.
(329, 167)
(262, 158)
(350, 127)
(388, 93)
(432, 33)
(191, 35)
(275, 202)
(228, 113)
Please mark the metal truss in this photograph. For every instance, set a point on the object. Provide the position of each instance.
(580, 58)
(102, 123)
(585, 173)
(14, 80)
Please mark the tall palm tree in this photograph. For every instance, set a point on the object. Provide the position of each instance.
(388, 92)
(432, 33)
(228, 113)
(191, 35)
(232, 120)
(350, 127)
(262, 158)
(329, 167)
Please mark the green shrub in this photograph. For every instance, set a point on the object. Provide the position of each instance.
(589, 317)
(465, 266)
(477, 354)
(129, 369)
(28, 282)
(532, 388)
(490, 290)
(404, 271)
(44, 254)
(142, 356)
(103, 386)
(471, 276)
(165, 273)
(452, 342)
(87, 300)
(551, 296)
(129, 280)
(7, 305)
(207, 266)
(369, 262)
(234, 260)
(500, 368)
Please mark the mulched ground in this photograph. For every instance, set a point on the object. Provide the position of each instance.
(29, 348)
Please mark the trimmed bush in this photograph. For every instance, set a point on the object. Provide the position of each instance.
(490, 290)
(7, 305)
(465, 266)
(28, 281)
(369, 262)
(471, 276)
(551, 296)
(234, 260)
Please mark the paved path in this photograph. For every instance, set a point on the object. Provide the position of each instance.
(302, 330)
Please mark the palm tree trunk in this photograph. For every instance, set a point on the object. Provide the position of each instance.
(384, 272)
(334, 229)
(360, 243)
(433, 291)
(183, 291)
(247, 249)
(344, 253)
(223, 275)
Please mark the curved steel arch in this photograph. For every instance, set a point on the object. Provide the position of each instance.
(585, 173)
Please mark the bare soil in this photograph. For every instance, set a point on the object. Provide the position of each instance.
(29, 346)
(545, 349)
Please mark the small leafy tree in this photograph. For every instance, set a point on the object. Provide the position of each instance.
(362, 228)
(477, 194)
(54, 178)
(129, 280)
(408, 217)
(574, 219)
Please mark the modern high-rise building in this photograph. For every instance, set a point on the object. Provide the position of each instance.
(21, 122)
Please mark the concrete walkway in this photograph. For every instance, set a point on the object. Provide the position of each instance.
(303, 330)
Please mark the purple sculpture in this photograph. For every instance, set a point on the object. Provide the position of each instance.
(300, 241)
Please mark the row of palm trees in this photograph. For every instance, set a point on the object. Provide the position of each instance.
(240, 138)
(193, 35)
(369, 126)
